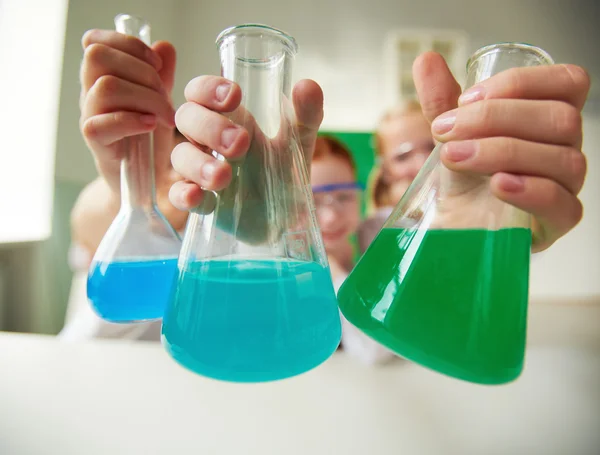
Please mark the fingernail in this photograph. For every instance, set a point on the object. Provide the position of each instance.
(148, 119)
(228, 136)
(513, 183)
(222, 91)
(471, 95)
(444, 123)
(208, 170)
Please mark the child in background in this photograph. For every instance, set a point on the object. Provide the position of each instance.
(337, 200)
(403, 142)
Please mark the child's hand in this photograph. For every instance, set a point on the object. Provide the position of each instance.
(523, 127)
(267, 196)
(125, 91)
(202, 120)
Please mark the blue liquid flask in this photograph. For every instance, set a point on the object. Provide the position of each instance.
(132, 272)
(254, 300)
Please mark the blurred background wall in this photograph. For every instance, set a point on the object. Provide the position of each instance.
(341, 46)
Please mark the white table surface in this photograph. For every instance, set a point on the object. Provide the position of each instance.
(107, 397)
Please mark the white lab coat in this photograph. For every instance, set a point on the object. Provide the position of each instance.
(357, 344)
(82, 323)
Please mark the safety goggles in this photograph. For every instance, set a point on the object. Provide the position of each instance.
(403, 151)
(338, 196)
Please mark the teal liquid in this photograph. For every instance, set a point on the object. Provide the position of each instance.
(252, 321)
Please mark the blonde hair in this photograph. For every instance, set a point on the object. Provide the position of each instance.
(377, 187)
(406, 108)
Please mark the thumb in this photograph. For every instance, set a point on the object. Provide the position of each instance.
(308, 104)
(437, 89)
(164, 135)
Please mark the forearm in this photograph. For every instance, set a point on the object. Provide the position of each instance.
(93, 213)
(97, 207)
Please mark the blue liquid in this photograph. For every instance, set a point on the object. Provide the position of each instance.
(131, 291)
(252, 321)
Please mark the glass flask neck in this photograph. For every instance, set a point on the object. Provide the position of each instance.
(493, 59)
(137, 166)
(137, 174)
(259, 59)
(133, 26)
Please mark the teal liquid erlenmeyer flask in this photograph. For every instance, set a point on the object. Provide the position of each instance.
(254, 299)
(132, 272)
(445, 282)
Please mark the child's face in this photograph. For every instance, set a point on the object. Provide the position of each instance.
(406, 144)
(338, 210)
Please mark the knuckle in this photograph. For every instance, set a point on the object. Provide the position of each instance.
(436, 104)
(513, 84)
(576, 163)
(178, 156)
(89, 37)
(577, 213)
(154, 80)
(578, 76)
(483, 112)
(567, 120)
(175, 194)
(89, 128)
(510, 150)
(119, 118)
(94, 53)
(181, 114)
(553, 195)
(107, 85)
(176, 152)
(196, 87)
(136, 45)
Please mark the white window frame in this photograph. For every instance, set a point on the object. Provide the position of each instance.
(32, 34)
(424, 38)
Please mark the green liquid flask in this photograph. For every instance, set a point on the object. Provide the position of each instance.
(445, 282)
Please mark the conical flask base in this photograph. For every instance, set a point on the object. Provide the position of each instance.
(454, 301)
(127, 291)
(252, 320)
(132, 274)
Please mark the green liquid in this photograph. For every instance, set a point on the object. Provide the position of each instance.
(454, 301)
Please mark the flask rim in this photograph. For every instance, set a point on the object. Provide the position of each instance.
(498, 47)
(126, 16)
(258, 30)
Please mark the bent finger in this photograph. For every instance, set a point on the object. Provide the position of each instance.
(106, 129)
(568, 83)
(100, 60)
(199, 167)
(111, 93)
(565, 165)
(208, 128)
(555, 210)
(125, 43)
(185, 195)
